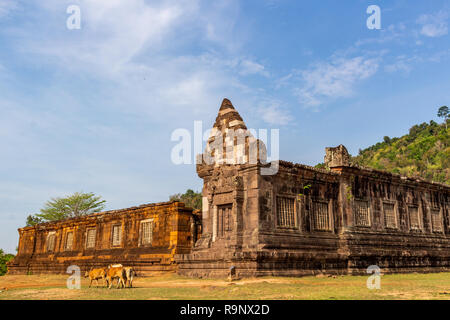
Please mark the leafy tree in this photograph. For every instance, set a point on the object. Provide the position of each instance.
(443, 112)
(4, 258)
(190, 198)
(33, 220)
(75, 205)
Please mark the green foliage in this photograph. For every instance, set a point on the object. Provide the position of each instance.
(424, 152)
(191, 199)
(75, 205)
(33, 220)
(305, 188)
(4, 258)
(443, 112)
(321, 166)
(348, 191)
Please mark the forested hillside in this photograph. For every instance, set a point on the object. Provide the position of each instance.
(423, 152)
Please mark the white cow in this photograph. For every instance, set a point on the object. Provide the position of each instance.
(129, 271)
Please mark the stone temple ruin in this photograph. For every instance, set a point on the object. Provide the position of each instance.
(146, 237)
(298, 221)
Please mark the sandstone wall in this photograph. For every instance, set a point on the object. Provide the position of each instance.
(171, 229)
(342, 221)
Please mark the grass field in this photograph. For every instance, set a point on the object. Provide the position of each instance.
(171, 286)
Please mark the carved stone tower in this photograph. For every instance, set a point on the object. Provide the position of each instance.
(230, 197)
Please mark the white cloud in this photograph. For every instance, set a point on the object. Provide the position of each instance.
(403, 63)
(273, 113)
(248, 67)
(434, 25)
(134, 47)
(398, 66)
(6, 7)
(439, 56)
(391, 33)
(334, 79)
(112, 34)
(218, 20)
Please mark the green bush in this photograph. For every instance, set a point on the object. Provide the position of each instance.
(191, 199)
(4, 258)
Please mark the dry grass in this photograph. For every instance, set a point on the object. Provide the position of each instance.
(171, 286)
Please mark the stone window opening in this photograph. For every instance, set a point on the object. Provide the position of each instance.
(321, 216)
(116, 235)
(361, 213)
(69, 242)
(390, 217)
(51, 241)
(90, 238)
(224, 219)
(146, 232)
(436, 220)
(414, 217)
(286, 212)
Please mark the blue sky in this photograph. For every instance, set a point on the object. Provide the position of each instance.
(93, 109)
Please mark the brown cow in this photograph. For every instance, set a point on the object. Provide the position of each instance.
(130, 273)
(116, 272)
(95, 274)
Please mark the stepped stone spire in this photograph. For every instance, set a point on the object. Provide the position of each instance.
(226, 104)
(230, 142)
(228, 117)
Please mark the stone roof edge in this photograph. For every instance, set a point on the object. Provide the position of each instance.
(397, 175)
(103, 213)
(366, 170)
(288, 164)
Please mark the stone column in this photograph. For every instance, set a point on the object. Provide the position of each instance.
(214, 224)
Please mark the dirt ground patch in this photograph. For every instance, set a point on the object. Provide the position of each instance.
(44, 294)
(171, 286)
